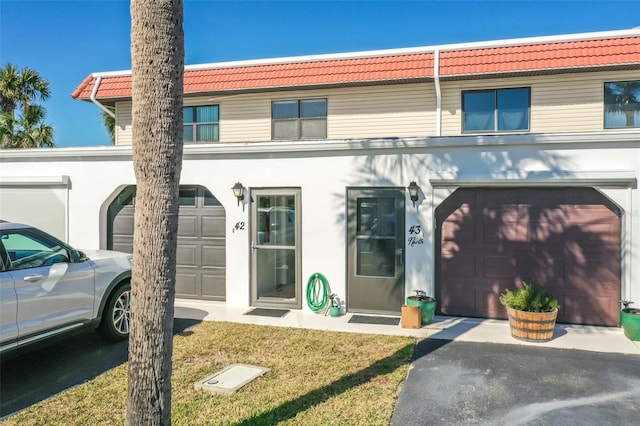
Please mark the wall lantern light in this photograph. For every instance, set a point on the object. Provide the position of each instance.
(238, 191)
(413, 191)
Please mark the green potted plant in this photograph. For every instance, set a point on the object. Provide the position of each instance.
(630, 321)
(532, 312)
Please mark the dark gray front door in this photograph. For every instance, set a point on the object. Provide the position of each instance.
(275, 247)
(375, 219)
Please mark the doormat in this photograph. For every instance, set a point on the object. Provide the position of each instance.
(366, 319)
(262, 312)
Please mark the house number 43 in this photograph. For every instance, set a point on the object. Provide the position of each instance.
(415, 236)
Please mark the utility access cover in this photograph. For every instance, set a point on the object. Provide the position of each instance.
(231, 378)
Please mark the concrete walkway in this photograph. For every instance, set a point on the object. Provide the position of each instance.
(588, 338)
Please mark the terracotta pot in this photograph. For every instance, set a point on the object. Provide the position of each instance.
(532, 326)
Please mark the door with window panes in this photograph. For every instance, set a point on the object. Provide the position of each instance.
(275, 248)
(375, 229)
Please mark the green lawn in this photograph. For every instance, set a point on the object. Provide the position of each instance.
(316, 378)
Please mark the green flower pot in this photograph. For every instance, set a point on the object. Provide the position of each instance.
(334, 311)
(630, 322)
(427, 307)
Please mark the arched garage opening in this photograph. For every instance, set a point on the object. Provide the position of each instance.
(201, 255)
(566, 239)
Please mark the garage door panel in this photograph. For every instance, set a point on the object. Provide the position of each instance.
(213, 284)
(213, 256)
(491, 303)
(186, 283)
(187, 226)
(497, 266)
(497, 199)
(460, 266)
(542, 231)
(123, 224)
(588, 267)
(187, 255)
(594, 234)
(495, 231)
(574, 307)
(567, 240)
(507, 213)
(212, 227)
(465, 301)
(123, 244)
(456, 230)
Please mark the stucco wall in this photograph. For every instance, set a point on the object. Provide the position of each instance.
(323, 170)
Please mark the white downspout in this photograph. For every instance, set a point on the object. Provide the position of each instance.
(436, 80)
(95, 101)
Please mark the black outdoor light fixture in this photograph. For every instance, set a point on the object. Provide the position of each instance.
(413, 191)
(238, 191)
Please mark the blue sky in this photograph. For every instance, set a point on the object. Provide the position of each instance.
(65, 41)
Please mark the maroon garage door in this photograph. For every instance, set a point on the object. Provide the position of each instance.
(566, 239)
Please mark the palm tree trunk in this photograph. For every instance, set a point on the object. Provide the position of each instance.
(157, 56)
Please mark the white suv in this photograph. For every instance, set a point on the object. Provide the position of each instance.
(48, 289)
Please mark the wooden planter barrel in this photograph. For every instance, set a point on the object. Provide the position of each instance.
(532, 326)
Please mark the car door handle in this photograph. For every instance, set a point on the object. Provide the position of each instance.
(32, 278)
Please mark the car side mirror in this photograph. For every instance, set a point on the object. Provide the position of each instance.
(77, 256)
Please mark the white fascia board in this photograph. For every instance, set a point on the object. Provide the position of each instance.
(355, 145)
(608, 179)
(401, 51)
(62, 180)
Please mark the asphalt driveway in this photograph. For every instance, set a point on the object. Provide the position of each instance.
(462, 383)
(33, 376)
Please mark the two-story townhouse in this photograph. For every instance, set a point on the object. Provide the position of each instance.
(457, 169)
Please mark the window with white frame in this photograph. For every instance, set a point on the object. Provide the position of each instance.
(299, 119)
(496, 110)
(201, 123)
(621, 104)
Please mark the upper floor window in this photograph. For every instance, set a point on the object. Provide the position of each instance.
(299, 119)
(622, 104)
(500, 110)
(201, 123)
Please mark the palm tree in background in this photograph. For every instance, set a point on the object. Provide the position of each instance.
(109, 123)
(21, 118)
(623, 97)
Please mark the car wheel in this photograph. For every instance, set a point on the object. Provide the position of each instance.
(114, 324)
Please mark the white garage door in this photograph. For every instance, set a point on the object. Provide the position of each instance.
(40, 202)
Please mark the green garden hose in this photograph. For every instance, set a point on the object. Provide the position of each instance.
(318, 292)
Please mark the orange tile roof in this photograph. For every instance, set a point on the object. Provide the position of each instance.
(299, 74)
(396, 67)
(564, 55)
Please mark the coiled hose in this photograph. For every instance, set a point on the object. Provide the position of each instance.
(318, 292)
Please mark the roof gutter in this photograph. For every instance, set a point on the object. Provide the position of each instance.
(436, 80)
(95, 101)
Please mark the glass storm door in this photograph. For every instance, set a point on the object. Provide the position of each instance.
(375, 222)
(275, 243)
